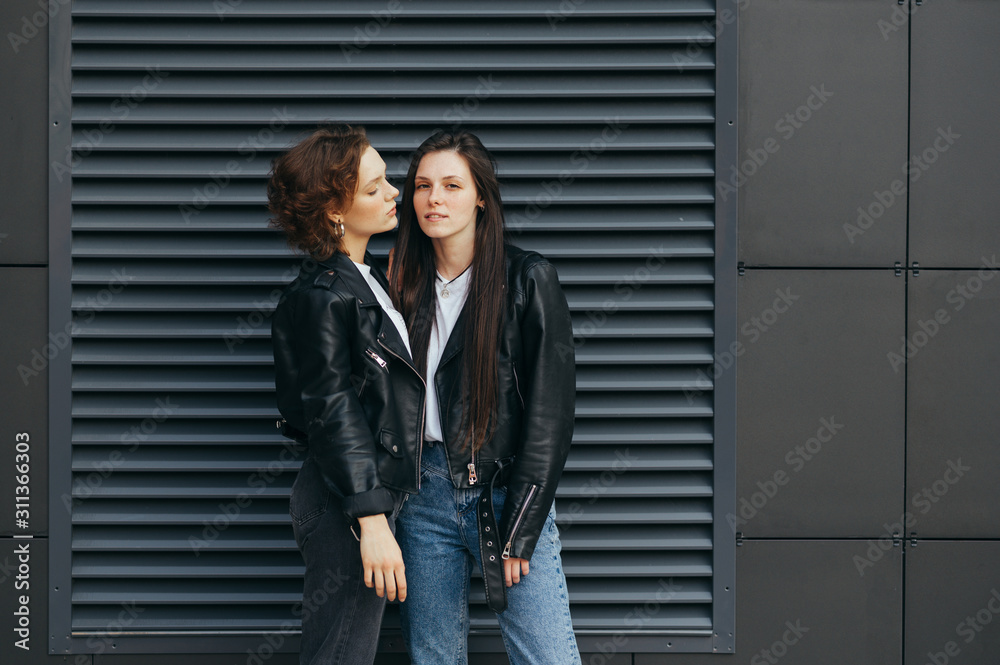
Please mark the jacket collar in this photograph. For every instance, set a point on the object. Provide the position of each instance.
(342, 264)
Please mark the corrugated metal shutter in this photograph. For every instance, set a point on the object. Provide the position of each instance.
(602, 116)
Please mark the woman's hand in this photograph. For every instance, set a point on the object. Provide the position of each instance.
(381, 558)
(513, 568)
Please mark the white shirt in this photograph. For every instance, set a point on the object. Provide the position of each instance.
(386, 302)
(451, 296)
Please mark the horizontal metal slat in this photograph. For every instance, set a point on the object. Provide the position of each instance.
(615, 460)
(653, 297)
(644, 352)
(600, 508)
(173, 405)
(304, 113)
(616, 537)
(161, 379)
(440, 58)
(681, 619)
(178, 352)
(649, 431)
(337, 31)
(605, 378)
(642, 405)
(204, 459)
(181, 539)
(386, 85)
(238, 617)
(649, 269)
(362, 9)
(176, 432)
(186, 592)
(636, 564)
(636, 484)
(208, 513)
(173, 299)
(606, 322)
(240, 272)
(249, 143)
(157, 485)
(190, 564)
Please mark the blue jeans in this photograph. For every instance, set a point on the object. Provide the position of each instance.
(438, 534)
(340, 615)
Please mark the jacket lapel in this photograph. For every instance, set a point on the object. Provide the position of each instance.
(457, 338)
(346, 270)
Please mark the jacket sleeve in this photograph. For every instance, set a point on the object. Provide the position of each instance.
(547, 381)
(340, 438)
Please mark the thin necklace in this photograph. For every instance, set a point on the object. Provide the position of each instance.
(444, 289)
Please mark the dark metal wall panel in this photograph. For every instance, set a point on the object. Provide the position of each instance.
(823, 112)
(24, 359)
(953, 139)
(805, 602)
(24, 112)
(951, 358)
(820, 411)
(952, 603)
(603, 120)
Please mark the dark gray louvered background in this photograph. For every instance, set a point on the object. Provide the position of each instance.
(175, 272)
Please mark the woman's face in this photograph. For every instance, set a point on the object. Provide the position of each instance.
(373, 210)
(445, 197)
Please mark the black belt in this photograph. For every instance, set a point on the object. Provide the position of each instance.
(489, 544)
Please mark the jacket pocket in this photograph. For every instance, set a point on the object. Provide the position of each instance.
(309, 502)
(392, 443)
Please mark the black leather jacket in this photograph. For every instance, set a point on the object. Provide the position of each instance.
(537, 381)
(345, 381)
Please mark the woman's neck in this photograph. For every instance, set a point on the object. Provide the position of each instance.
(451, 258)
(355, 246)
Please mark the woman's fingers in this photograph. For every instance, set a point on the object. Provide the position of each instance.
(389, 584)
(401, 583)
(513, 568)
(379, 583)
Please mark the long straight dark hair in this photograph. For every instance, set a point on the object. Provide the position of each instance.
(486, 306)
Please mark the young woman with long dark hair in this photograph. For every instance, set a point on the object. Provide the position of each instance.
(347, 388)
(491, 331)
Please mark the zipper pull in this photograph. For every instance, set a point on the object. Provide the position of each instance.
(376, 357)
(506, 551)
(472, 473)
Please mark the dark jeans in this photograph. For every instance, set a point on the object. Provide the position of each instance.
(340, 615)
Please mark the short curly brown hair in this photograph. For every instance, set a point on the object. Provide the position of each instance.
(317, 176)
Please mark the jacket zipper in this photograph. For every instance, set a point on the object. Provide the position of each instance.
(517, 522)
(376, 357)
(423, 407)
(472, 470)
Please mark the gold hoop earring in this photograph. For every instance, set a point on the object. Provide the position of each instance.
(339, 226)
